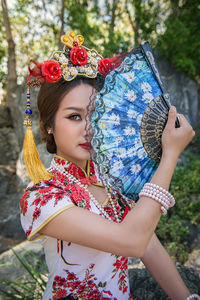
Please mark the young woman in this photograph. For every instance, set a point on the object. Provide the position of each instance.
(88, 229)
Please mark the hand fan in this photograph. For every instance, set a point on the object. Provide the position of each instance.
(128, 121)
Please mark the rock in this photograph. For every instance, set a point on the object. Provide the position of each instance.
(182, 89)
(9, 147)
(5, 116)
(6, 175)
(10, 227)
(196, 240)
(12, 269)
(194, 260)
(143, 286)
(197, 261)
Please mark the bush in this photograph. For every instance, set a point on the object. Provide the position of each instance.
(174, 228)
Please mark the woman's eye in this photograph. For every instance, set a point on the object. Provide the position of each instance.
(75, 117)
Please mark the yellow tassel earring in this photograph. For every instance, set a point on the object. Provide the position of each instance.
(34, 166)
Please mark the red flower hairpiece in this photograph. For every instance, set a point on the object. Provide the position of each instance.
(106, 65)
(78, 56)
(50, 71)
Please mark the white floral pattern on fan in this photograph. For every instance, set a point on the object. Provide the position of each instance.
(116, 121)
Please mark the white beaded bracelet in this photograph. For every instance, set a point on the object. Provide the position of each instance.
(159, 194)
(171, 198)
(193, 296)
(164, 202)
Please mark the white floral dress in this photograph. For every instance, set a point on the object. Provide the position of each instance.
(74, 270)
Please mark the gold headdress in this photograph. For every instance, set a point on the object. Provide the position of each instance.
(72, 61)
(76, 59)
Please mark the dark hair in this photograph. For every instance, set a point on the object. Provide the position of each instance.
(49, 99)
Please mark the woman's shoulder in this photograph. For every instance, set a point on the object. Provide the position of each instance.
(35, 193)
(41, 203)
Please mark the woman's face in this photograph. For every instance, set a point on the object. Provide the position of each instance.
(69, 126)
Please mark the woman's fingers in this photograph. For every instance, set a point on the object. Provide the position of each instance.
(183, 121)
(171, 118)
(174, 140)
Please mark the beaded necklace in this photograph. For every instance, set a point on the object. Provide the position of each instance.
(62, 169)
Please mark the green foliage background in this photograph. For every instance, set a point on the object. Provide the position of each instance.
(110, 26)
(174, 229)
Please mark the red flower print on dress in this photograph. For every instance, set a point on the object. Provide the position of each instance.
(127, 209)
(79, 196)
(37, 201)
(85, 289)
(36, 213)
(44, 190)
(60, 294)
(75, 171)
(121, 266)
(29, 231)
(58, 196)
(60, 161)
(109, 209)
(57, 278)
(24, 203)
(45, 199)
(94, 294)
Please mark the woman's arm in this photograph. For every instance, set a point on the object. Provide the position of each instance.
(131, 237)
(161, 267)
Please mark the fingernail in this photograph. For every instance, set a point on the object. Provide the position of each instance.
(172, 109)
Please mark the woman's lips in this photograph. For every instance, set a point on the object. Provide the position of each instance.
(86, 146)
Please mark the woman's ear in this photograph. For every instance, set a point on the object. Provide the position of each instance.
(49, 130)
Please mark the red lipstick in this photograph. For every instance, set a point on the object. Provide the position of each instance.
(86, 146)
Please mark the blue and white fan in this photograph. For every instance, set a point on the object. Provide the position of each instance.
(128, 121)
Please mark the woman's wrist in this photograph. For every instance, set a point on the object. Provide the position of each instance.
(164, 172)
(169, 158)
(193, 297)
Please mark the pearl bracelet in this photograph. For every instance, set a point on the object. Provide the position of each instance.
(171, 198)
(193, 296)
(159, 194)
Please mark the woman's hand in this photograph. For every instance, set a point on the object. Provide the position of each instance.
(174, 140)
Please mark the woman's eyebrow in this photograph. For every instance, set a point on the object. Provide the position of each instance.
(75, 108)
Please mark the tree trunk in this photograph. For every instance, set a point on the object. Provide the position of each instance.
(11, 64)
(134, 25)
(12, 89)
(62, 19)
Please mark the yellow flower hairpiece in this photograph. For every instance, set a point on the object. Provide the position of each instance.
(71, 40)
(76, 59)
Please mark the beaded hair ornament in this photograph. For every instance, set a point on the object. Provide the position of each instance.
(75, 59)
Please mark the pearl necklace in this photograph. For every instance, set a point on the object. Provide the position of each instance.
(62, 169)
